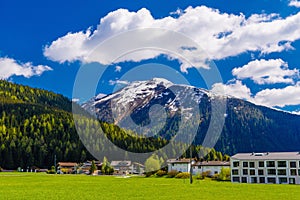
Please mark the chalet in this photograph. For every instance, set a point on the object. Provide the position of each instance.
(211, 167)
(121, 167)
(280, 168)
(66, 167)
(86, 166)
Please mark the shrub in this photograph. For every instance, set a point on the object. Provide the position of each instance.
(160, 173)
(148, 174)
(172, 173)
(51, 171)
(205, 174)
(183, 175)
(224, 174)
(199, 176)
(215, 177)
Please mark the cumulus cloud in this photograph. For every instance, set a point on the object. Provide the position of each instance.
(295, 3)
(280, 97)
(266, 71)
(10, 67)
(220, 35)
(276, 97)
(235, 89)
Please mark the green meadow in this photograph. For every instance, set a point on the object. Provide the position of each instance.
(44, 186)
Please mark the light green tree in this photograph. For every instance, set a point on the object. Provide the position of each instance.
(152, 164)
(224, 174)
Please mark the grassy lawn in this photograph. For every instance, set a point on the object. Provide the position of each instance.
(43, 186)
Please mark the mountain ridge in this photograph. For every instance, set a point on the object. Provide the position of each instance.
(263, 128)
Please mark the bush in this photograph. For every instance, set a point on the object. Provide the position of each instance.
(51, 171)
(148, 174)
(161, 173)
(224, 174)
(183, 175)
(172, 173)
(205, 174)
(215, 177)
(199, 176)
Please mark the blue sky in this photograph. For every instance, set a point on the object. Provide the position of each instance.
(255, 44)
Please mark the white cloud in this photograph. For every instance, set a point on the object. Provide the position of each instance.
(295, 3)
(75, 100)
(118, 82)
(221, 35)
(281, 97)
(266, 72)
(118, 68)
(10, 67)
(236, 89)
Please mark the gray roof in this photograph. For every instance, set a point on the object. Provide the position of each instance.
(268, 156)
(181, 160)
(120, 163)
(212, 163)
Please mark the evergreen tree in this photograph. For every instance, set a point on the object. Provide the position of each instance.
(93, 167)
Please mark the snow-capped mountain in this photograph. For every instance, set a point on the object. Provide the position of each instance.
(159, 107)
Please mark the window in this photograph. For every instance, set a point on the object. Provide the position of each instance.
(293, 172)
(262, 179)
(245, 171)
(281, 172)
(236, 164)
(292, 164)
(236, 179)
(235, 172)
(283, 180)
(251, 164)
(292, 180)
(298, 171)
(281, 163)
(252, 172)
(244, 179)
(253, 179)
(261, 164)
(260, 172)
(245, 164)
(271, 180)
(270, 163)
(271, 172)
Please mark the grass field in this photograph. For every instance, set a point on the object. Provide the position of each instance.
(43, 186)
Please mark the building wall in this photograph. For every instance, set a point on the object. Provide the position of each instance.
(213, 169)
(263, 171)
(180, 167)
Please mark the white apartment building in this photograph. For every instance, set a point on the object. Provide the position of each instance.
(278, 168)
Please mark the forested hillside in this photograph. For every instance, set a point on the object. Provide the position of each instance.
(37, 124)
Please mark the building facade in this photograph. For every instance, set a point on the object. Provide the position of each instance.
(276, 168)
(179, 165)
(212, 167)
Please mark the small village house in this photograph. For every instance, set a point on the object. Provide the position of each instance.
(211, 167)
(179, 165)
(121, 167)
(66, 167)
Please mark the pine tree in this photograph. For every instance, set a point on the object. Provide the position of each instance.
(93, 168)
